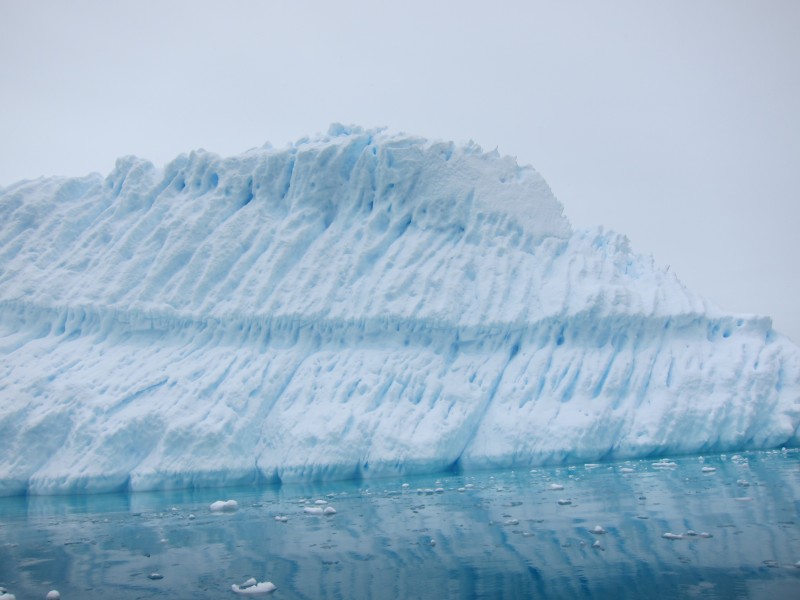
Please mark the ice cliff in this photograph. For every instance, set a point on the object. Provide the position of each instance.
(357, 305)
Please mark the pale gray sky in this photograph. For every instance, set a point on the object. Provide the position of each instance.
(676, 123)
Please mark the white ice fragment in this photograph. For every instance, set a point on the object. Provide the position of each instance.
(744, 499)
(691, 533)
(742, 483)
(155, 576)
(329, 510)
(708, 469)
(512, 522)
(626, 470)
(249, 583)
(555, 487)
(591, 466)
(191, 517)
(432, 542)
(224, 506)
(596, 544)
(672, 536)
(320, 502)
(598, 530)
(439, 490)
(469, 485)
(405, 485)
(281, 519)
(704, 534)
(53, 595)
(462, 489)
(564, 502)
(265, 587)
(664, 464)
(312, 510)
(4, 595)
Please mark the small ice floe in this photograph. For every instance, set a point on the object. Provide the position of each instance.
(432, 542)
(742, 483)
(708, 470)
(53, 595)
(598, 530)
(664, 464)
(797, 564)
(224, 506)
(320, 502)
(469, 485)
(554, 487)
(596, 544)
(281, 519)
(318, 510)
(744, 499)
(591, 466)
(405, 485)
(155, 576)
(462, 489)
(672, 536)
(564, 502)
(191, 517)
(439, 490)
(691, 533)
(6, 595)
(704, 534)
(251, 587)
(512, 522)
(626, 470)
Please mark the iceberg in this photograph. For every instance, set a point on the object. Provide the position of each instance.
(357, 305)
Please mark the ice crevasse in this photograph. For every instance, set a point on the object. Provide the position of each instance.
(358, 305)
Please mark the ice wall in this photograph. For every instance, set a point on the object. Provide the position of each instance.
(357, 305)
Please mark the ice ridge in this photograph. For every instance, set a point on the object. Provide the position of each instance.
(357, 305)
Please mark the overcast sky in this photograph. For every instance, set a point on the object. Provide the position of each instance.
(676, 123)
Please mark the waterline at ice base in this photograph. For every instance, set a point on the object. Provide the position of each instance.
(359, 305)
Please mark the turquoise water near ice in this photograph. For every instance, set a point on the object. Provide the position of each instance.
(504, 534)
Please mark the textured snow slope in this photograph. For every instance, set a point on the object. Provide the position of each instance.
(353, 306)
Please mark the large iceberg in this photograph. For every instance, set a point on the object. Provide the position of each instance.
(357, 305)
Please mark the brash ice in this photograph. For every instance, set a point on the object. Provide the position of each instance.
(358, 305)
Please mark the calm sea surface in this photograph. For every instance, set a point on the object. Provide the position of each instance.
(591, 531)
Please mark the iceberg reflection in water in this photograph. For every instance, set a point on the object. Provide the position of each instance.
(733, 525)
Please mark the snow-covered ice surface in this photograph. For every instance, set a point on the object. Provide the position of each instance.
(357, 305)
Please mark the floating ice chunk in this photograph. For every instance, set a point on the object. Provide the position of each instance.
(598, 530)
(797, 564)
(626, 470)
(596, 544)
(439, 490)
(664, 464)
(249, 583)
(191, 517)
(155, 576)
(512, 522)
(691, 533)
(320, 502)
(554, 487)
(5, 595)
(564, 502)
(224, 506)
(591, 466)
(708, 470)
(264, 587)
(469, 485)
(705, 534)
(672, 536)
(744, 499)
(53, 595)
(281, 519)
(318, 510)
(462, 489)
(742, 483)
(405, 485)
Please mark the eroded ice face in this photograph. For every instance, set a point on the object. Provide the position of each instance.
(355, 306)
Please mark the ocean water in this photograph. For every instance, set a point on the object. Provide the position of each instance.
(732, 526)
